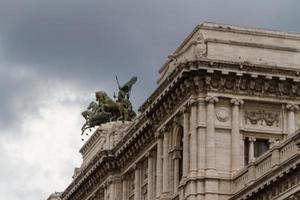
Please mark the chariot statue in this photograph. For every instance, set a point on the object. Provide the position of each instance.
(105, 109)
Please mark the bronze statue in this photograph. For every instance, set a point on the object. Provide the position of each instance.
(106, 109)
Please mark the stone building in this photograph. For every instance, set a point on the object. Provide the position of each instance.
(221, 125)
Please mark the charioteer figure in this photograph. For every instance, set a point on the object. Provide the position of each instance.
(106, 110)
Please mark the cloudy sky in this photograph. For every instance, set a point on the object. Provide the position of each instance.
(54, 54)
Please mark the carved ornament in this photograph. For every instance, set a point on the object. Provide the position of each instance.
(237, 102)
(292, 107)
(222, 115)
(211, 99)
(199, 46)
(260, 117)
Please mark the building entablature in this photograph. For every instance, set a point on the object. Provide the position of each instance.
(224, 69)
(103, 164)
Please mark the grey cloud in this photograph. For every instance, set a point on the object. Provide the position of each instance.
(85, 43)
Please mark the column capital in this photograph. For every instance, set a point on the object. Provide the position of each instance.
(236, 101)
(124, 177)
(185, 109)
(176, 120)
(165, 128)
(176, 154)
(211, 99)
(252, 139)
(136, 166)
(292, 107)
(201, 101)
(158, 135)
(192, 102)
(149, 154)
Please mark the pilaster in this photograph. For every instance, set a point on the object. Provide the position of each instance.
(159, 166)
(124, 188)
(193, 138)
(150, 185)
(210, 136)
(137, 182)
(201, 136)
(165, 187)
(186, 141)
(235, 134)
(292, 109)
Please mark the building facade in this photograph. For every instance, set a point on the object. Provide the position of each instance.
(221, 125)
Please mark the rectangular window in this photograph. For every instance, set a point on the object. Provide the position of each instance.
(260, 147)
(246, 151)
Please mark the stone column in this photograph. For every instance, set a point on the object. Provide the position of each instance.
(235, 135)
(159, 167)
(292, 108)
(105, 193)
(210, 136)
(193, 139)
(124, 188)
(242, 150)
(150, 183)
(165, 186)
(176, 157)
(201, 136)
(116, 188)
(186, 142)
(251, 149)
(137, 182)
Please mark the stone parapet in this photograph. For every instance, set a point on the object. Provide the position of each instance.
(280, 159)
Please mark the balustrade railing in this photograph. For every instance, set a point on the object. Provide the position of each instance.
(277, 155)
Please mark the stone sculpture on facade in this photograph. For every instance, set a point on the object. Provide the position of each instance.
(106, 109)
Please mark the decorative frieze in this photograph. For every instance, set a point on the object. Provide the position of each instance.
(262, 117)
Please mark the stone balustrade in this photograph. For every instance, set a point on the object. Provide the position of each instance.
(277, 156)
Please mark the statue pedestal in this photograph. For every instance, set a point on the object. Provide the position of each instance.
(105, 137)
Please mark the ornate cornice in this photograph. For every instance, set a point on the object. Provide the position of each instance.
(259, 80)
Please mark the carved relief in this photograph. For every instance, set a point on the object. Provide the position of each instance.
(251, 85)
(222, 115)
(199, 46)
(262, 117)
